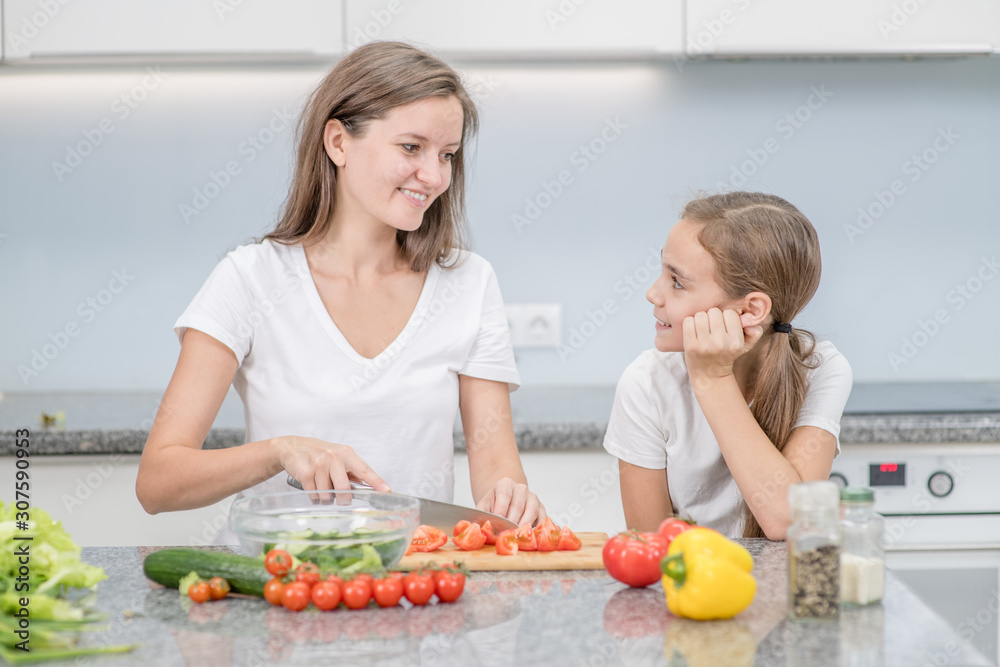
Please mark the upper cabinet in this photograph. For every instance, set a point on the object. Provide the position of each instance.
(46, 28)
(484, 28)
(812, 27)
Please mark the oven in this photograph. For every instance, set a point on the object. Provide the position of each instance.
(941, 503)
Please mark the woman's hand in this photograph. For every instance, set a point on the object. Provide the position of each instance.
(714, 340)
(321, 465)
(514, 501)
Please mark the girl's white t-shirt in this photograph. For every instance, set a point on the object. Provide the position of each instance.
(298, 375)
(657, 423)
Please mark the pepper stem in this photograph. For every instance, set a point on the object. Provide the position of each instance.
(674, 567)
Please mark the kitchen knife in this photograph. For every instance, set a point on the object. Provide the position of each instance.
(439, 514)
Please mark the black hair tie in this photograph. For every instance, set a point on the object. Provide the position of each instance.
(782, 327)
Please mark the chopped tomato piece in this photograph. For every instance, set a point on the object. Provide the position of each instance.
(471, 538)
(459, 527)
(507, 543)
(428, 538)
(490, 532)
(526, 538)
(547, 535)
(568, 541)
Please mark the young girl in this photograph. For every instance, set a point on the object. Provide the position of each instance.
(735, 404)
(355, 330)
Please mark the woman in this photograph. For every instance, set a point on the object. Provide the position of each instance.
(357, 328)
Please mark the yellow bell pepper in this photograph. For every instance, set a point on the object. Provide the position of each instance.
(707, 576)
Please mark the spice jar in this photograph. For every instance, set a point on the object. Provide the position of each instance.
(814, 551)
(862, 553)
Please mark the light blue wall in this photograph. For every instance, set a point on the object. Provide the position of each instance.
(679, 129)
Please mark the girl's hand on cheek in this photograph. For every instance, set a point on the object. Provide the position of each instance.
(714, 340)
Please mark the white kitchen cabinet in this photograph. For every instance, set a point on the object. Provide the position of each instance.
(39, 28)
(521, 27)
(94, 498)
(748, 27)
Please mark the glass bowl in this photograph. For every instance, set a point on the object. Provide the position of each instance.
(343, 530)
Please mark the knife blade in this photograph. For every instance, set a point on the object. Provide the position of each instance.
(440, 514)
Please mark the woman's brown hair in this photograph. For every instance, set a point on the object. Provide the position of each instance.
(366, 85)
(761, 243)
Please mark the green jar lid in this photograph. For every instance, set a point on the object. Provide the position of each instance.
(857, 494)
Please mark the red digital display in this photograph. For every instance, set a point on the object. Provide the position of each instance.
(887, 474)
(888, 467)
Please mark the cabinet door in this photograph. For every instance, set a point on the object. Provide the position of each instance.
(38, 28)
(847, 26)
(528, 27)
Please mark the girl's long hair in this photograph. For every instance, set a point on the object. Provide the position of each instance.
(761, 243)
(366, 85)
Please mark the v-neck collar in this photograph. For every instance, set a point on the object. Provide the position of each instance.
(412, 324)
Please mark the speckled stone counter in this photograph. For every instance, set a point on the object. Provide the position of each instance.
(516, 618)
(544, 419)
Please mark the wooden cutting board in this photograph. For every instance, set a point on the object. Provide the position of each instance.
(588, 557)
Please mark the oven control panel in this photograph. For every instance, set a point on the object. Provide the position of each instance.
(923, 478)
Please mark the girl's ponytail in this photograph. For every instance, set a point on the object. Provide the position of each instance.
(761, 243)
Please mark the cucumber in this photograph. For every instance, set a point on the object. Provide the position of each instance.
(244, 574)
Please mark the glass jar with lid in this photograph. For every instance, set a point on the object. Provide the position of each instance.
(862, 549)
(814, 551)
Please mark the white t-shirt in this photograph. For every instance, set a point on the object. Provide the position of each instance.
(298, 375)
(657, 423)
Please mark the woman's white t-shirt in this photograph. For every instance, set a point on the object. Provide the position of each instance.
(657, 423)
(298, 375)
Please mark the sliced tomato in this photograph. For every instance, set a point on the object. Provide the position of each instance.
(459, 527)
(490, 532)
(568, 541)
(526, 538)
(428, 538)
(471, 538)
(507, 543)
(547, 535)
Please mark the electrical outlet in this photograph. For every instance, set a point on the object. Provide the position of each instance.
(535, 324)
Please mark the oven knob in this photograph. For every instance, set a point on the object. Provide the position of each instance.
(940, 484)
(839, 479)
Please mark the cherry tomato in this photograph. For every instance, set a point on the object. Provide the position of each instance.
(200, 592)
(218, 588)
(633, 558)
(471, 538)
(448, 585)
(357, 593)
(307, 573)
(335, 579)
(671, 527)
(325, 595)
(526, 538)
(278, 562)
(507, 543)
(418, 587)
(295, 596)
(364, 576)
(428, 538)
(568, 540)
(273, 590)
(387, 591)
(490, 532)
(547, 535)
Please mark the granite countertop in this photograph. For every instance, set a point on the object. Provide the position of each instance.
(519, 618)
(544, 419)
